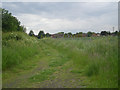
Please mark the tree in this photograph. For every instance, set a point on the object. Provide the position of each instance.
(22, 28)
(89, 34)
(9, 22)
(65, 35)
(47, 35)
(31, 33)
(79, 34)
(41, 34)
(69, 34)
(104, 33)
(61, 33)
(116, 33)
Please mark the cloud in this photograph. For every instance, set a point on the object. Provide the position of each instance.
(60, 1)
(65, 16)
(37, 23)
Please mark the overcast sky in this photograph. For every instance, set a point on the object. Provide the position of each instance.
(65, 16)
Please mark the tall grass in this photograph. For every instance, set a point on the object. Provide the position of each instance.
(17, 47)
(96, 57)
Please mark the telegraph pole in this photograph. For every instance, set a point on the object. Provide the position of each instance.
(113, 29)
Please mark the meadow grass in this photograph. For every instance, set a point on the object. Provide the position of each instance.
(42, 75)
(96, 58)
(15, 51)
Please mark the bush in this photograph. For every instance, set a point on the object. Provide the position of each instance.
(13, 36)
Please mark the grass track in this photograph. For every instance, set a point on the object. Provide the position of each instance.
(47, 70)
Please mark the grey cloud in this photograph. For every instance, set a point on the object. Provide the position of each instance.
(61, 10)
(92, 14)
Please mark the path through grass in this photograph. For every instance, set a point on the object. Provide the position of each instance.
(42, 71)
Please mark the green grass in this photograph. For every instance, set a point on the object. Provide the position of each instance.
(41, 76)
(59, 61)
(94, 58)
(14, 51)
(93, 69)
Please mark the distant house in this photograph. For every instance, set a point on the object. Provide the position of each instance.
(94, 35)
(84, 35)
(98, 34)
(54, 35)
(59, 35)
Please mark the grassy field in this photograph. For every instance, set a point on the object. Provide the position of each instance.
(88, 62)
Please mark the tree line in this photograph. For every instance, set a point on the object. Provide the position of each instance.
(41, 34)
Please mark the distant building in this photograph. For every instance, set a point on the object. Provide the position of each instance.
(62, 35)
(98, 34)
(84, 35)
(59, 35)
(94, 35)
